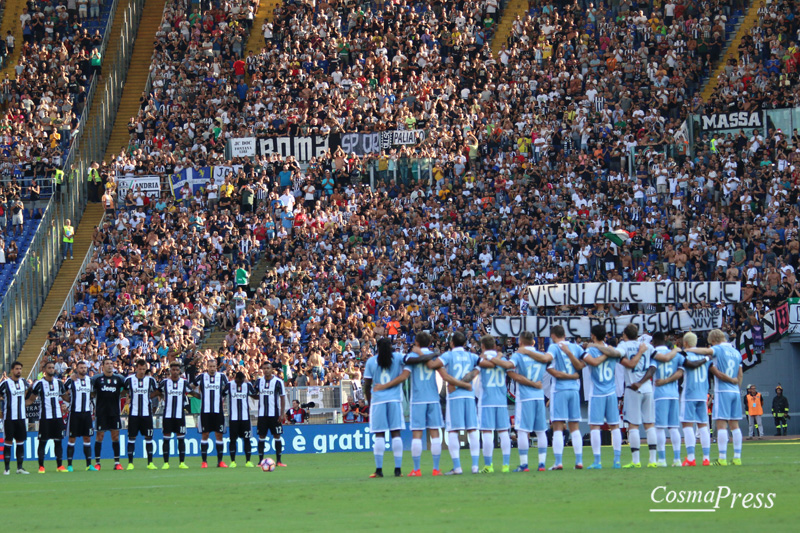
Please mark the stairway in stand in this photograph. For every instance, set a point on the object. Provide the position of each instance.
(750, 20)
(136, 79)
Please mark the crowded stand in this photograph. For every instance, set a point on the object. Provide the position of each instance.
(42, 102)
(530, 165)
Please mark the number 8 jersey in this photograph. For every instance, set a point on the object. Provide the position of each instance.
(381, 376)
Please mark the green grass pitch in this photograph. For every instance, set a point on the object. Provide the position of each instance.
(332, 493)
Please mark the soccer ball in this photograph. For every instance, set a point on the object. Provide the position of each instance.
(267, 465)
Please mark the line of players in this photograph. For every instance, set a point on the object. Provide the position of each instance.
(651, 398)
(104, 391)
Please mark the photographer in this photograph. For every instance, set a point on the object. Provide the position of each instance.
(298, 414)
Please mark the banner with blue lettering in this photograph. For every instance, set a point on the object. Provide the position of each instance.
(198, 178)
(327, 438)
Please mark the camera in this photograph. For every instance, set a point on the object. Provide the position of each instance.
(309, 405)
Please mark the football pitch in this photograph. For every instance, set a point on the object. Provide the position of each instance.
(333, 493)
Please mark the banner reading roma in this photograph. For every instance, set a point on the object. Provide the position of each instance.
(660, 292)
(580, 326)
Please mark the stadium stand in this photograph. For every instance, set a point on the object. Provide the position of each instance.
(528, 153)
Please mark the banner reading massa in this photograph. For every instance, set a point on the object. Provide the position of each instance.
(660, 292)
(580, 326)
(328, 438)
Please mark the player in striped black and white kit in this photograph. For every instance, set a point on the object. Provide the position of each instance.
(210, 387)
(79, 423)
(14, 417)
(173, 391)
(51, 423)
(271, 406)
(141, 389)
(239, 392)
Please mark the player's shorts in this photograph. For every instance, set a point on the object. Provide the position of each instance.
(694, 411)
(15, 430)
(140, 425)
(240, 429)
(386, 417)
(51, 429)
(493, 418)
(426, 416)
(462, 414)
(108, 422)
(212, 422)
(269, 424)
(638, 408)
(175, 426)
(80, 425)
(603, 409)
(667, 413)
(565, 406)
(727, 406)
(530, 416)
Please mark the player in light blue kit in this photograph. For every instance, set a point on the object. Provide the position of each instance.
(385, 406)
(603, 408)
(727, 369)
(529, 369)
(565, 404)
(493, 404)
(462, 415)
(668, 370)
(693, 401)
(426, 413)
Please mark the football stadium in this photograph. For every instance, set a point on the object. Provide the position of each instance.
(399, 265)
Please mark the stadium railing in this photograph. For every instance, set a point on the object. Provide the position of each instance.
(40, 264)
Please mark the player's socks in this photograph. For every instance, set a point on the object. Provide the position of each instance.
(523, 444)
(675, 440)
(616, 443)
(20, 455)
(150, 446)
(279, 450)
(722, 444)
(98, 448)
(378, 449)
(689, 437)
(652, 438)
(220, 450)
(416, 452)
(115, 448)
(635, 440)
(594, 437)
(558, 446)
(7, 455)
(87, 453)
(204, 450)
(737, 443)
(577, 446)
(233, 453)
(474, 448)
(247, 450)
(454, 447)
(59, 452)
(541, 442)
(131, 450)
(40, 452)
(488, 449)
(505, 448)
(181, 449)
(261, 444)
(436, 451)
(70, 452)
(661, 444)
(705, 441)
(165, 449)
(397, 450)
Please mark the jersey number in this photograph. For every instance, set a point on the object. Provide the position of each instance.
(606, 372)
(700, 375)
(425, 373)
(730, 368)
(495, 378)
(385, 377)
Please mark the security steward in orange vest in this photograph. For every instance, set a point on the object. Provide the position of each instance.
(754, 407)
